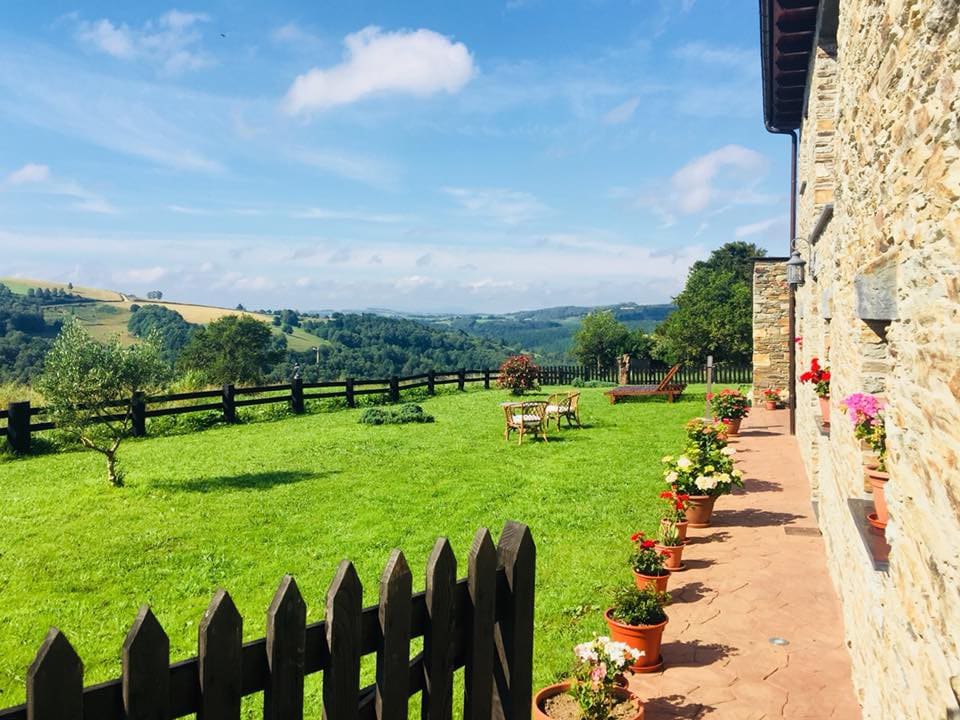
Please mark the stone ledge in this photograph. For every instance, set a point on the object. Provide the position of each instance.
(878, 551)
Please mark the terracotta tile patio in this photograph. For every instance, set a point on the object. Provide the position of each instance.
(749, 581)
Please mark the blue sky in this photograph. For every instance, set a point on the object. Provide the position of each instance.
(423, 156)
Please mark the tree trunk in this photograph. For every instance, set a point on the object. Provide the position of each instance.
(115, 478)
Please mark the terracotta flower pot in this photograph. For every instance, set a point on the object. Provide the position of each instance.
(878, 481)
(733, 425)
(540, 699)
(681, 528)
(700, 510)
(674, 558)
(659, 582)
(825, 409)
(769, 404)
(645, 638)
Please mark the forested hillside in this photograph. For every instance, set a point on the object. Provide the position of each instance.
(25, 336)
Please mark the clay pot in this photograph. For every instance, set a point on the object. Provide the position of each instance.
(674, 559)
(645, 638)
(681, 528)
(700, 510)
(659, 582)
(825, 409)
(878, 481)
(550, 691)
(733, 425)
(769, 404)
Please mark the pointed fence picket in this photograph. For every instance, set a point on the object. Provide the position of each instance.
(482, 623)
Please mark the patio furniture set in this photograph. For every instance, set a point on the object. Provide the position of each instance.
(534, 416)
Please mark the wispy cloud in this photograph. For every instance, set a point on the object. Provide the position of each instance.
(622, 112)
(762, 226)
(707, 56)
(694, 184)
(353, 215)
(419, 63)
(507, 206)
(171, 42)
(294, 34)
(38, 178)
(361, 168)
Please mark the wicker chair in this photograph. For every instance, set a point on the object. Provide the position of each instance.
(564, 405)
(525, 417)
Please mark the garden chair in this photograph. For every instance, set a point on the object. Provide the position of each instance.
(564, 405)
(525, 417)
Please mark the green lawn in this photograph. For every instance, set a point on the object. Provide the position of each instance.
(240, 506)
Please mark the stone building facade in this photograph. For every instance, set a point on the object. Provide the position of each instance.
(771, 326)
(878, 224)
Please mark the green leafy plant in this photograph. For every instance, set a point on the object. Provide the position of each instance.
(638, 606)
(669, 536)
(89, 387)
(676, 502)
(598, 666)
(394, 416)
(646, 559)
(518, 374)
(702, 472)
(729, 404)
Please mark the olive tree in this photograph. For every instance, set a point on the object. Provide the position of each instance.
(89, 387)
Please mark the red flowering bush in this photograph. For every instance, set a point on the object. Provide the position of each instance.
(676, 505)
(729, 404)
(646, 559)
(518, 374)
(772, 395)
(819, 376)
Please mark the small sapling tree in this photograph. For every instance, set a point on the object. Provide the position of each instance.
(85, 382)
(519, 373)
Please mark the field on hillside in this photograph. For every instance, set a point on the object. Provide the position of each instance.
(237, 507)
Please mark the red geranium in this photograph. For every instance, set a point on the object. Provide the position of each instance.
(819, 376)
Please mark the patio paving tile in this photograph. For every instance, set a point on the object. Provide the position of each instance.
(749, 582)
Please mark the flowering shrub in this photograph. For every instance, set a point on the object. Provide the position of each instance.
(866, 414)
(676, 505)
(702, 473)
(519, 373)
(646, 560)
(707, 435)
(820, 377)
(729, 404)
(598, 665)
(772, 395)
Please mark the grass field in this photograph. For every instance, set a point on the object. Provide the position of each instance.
(240, 506)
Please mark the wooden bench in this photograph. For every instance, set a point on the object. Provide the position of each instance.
(670, 389)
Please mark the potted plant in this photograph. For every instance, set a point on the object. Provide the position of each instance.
(702, 475)
(647, 563)
(820, 378)
(518, 374)
(866, 414)
(671, 547)
(596, 691)
(771, 399)
(730, 407)
(676, 512)
(636, 618)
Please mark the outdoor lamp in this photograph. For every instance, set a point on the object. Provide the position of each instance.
(795, 269)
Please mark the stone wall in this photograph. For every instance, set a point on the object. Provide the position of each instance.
(771, 326)
(881, 141)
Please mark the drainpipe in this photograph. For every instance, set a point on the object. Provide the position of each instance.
(792, 306)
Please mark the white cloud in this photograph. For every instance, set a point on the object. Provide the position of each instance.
(623, 112)
(507, 206)
(186, 210)
(36, 177)
(694, 184)
(361, 168)
(142, 275)
(759, 227)
(708, 56)
(292, 34)
(170, 42)
(419, 62)
(352, 215)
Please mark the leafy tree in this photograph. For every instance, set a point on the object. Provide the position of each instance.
(85, 382)
(173, 331)
(233, 349)
(714, 314)
(600, 339)
(519, 373)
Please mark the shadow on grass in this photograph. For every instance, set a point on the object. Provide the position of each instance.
(752, 517)
(674, 707)
(242, 481)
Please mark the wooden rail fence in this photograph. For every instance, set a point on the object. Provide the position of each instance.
(22, 420)
(482, 623)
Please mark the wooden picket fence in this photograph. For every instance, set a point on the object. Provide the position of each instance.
(687, 374)
(482, 623)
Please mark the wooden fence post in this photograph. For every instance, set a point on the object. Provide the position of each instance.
(513, 633)
(296, 395)
(486, 379)
(341, 681)
(55, 681)
(431, 383)
(393, 657)
(229, 408)
(482, 587)
(438, 635)
(286, 653)
(146, 669)
(18, 427)
(351, 400)
(394, 389)
(461, 379)
(219, 653)
(138, 414)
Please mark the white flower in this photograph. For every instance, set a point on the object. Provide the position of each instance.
(737, 474)
(729, 451)
(672, 477)
(683, 462)
(722, 478)
(706, 482)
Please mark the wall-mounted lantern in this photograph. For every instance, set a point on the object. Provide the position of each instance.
(795, 269)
